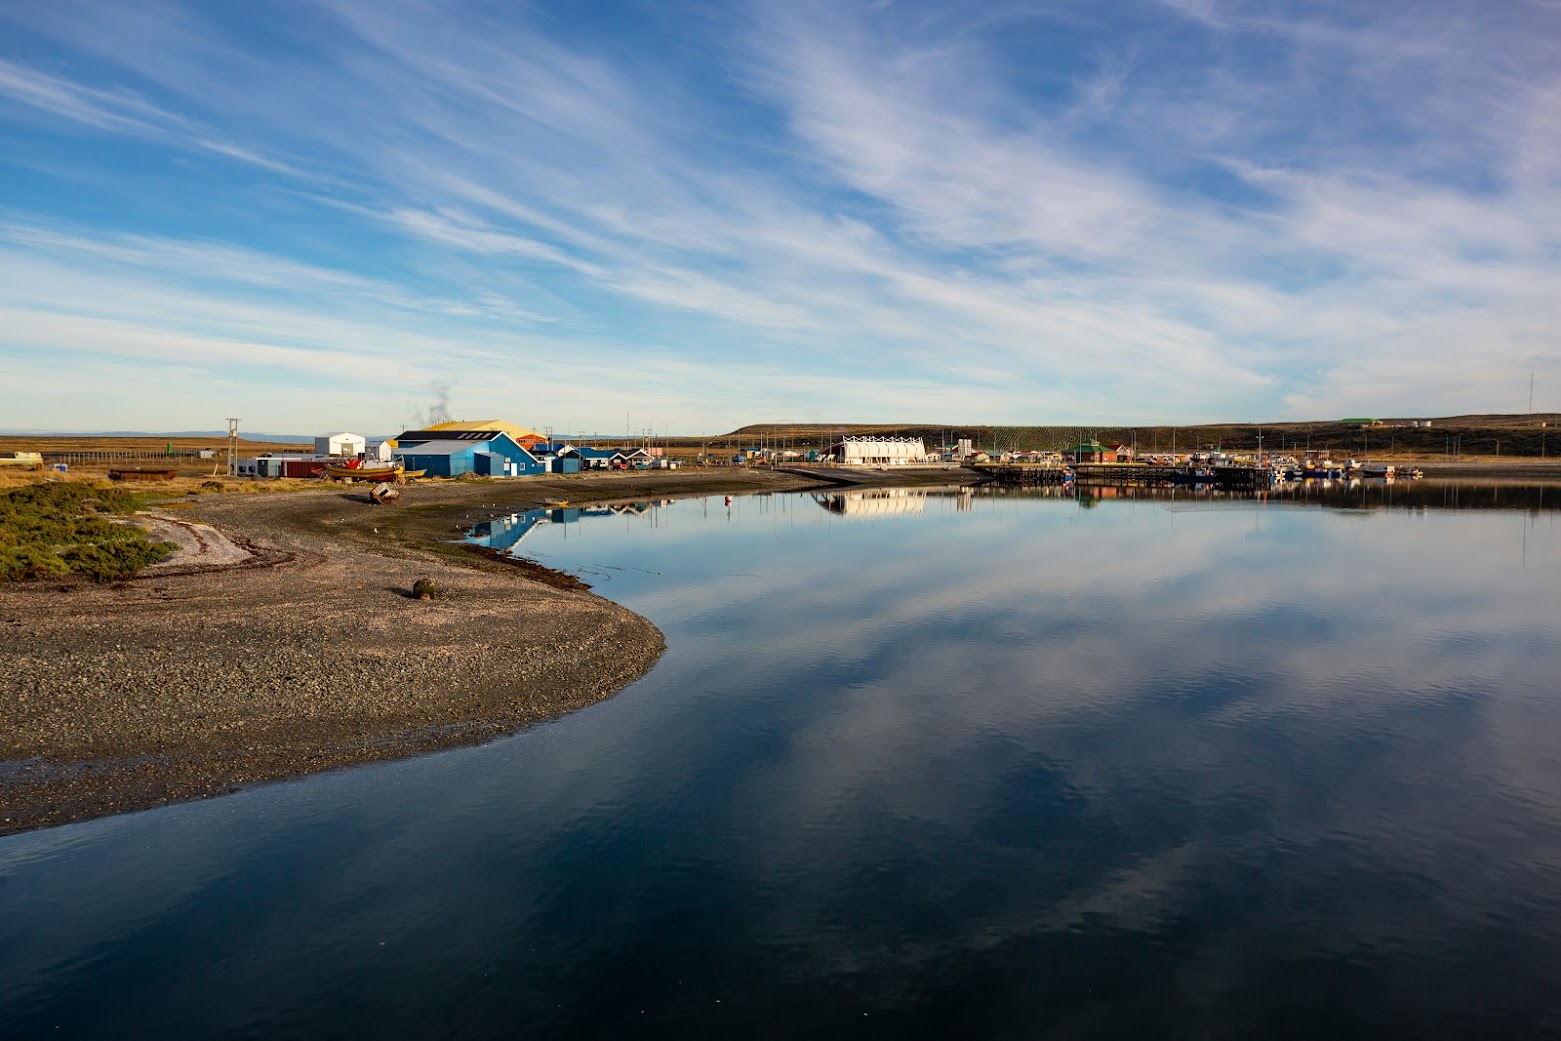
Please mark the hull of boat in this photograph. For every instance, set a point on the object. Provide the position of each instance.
(377, 473)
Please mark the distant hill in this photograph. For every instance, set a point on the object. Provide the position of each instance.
(1521, 434)
(248, 435)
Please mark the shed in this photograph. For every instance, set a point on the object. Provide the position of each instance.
(598, 458)
(301, 468)
(492, 464)
(341, 444)
(1093, 452)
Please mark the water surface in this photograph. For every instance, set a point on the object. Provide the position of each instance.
(914, 765)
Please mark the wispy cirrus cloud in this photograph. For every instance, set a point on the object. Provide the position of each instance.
(119, 112)
(1160, 210)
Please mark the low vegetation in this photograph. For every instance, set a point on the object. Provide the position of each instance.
(64, 528)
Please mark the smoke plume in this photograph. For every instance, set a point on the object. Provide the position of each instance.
(439, 411)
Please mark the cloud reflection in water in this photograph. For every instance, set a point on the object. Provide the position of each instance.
(986, 765)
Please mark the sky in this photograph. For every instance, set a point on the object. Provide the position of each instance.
(688, 216)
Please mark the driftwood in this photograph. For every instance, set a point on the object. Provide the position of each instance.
(384, 492)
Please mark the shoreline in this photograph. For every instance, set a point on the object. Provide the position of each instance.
(290, 644)
(285, 640)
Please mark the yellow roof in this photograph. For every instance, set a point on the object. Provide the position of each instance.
(486, 424)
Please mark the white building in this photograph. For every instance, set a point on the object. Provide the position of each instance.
(879, 451)
(340, 445)
(380, 451)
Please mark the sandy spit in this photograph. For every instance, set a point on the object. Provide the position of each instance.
(283, 640)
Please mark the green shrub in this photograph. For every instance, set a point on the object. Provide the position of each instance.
(54, 529)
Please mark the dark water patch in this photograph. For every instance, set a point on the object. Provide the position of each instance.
(919, 766)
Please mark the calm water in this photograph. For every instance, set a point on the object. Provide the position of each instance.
(913, 766)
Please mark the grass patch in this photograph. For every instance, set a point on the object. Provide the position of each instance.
(63, 528)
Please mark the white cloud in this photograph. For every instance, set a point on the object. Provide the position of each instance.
(882, 194)
(120, 112)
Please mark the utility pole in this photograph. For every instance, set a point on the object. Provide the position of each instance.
(233, 446)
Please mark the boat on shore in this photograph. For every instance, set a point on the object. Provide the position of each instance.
(394, 474)
(137, 473)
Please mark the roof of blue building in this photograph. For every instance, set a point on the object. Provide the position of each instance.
(452, 435)
(439, 448)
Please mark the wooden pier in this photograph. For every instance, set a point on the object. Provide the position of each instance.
(1025, 475)
(1147, 474)
(1222, 476)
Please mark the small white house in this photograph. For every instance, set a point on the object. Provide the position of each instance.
(340, 445)
(380, 451)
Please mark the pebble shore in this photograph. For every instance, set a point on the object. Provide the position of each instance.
(287, 642)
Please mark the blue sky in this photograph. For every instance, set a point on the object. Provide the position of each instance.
(332, 214)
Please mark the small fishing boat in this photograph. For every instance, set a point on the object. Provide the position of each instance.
(395, 473)
(1317, 466)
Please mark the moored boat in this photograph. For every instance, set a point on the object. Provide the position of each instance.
(1319, 466)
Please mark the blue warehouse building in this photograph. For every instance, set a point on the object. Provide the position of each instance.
(451, 453)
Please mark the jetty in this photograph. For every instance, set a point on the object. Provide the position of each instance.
(1224, 475)
(1025, 475)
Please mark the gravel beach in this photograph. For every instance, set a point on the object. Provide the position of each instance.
(284, 640)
